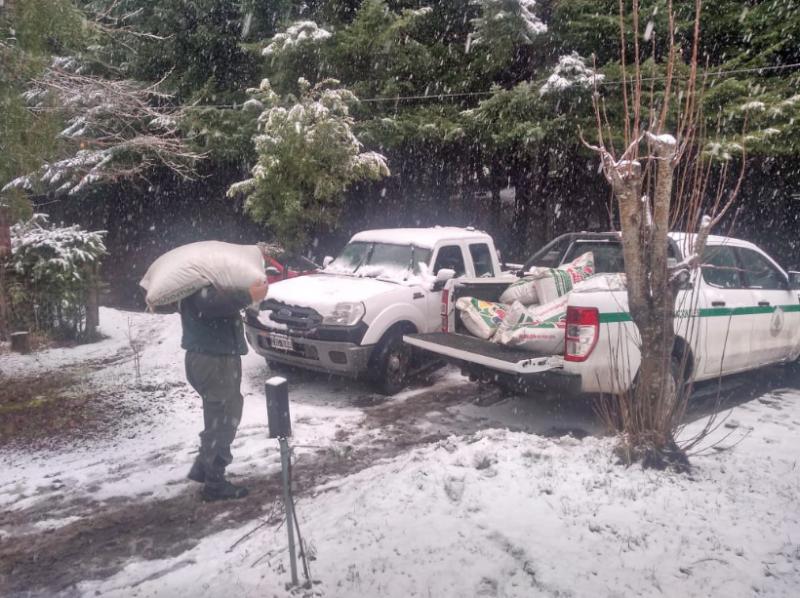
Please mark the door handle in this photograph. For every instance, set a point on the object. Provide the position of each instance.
(717, 304)
(763, 303)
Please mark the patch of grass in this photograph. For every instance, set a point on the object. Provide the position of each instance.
(37, 409)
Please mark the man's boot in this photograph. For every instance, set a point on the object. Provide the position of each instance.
(217, 487)
(198, 471)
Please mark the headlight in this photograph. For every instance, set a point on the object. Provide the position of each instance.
(345, 314)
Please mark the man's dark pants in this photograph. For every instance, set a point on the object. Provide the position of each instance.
(217, 379)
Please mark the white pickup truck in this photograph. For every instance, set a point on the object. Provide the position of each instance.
(738, 312)
(350, 318)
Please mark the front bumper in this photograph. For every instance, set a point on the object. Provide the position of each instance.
(339, 357)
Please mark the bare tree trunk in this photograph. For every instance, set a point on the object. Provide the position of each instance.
(4, 323)
(5, 251)
(663, 291)
(92, 305)
(636, 229)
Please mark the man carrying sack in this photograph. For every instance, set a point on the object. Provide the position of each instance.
(213, 338)
(211, 283)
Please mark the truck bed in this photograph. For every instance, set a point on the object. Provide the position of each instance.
(466, 348)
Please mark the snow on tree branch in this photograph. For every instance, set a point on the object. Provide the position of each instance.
(570, 72)
(43, 252)
(506, 20)
(117, 128)
(299, 34)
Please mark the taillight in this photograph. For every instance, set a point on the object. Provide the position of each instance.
(583, 328)
(445, 308)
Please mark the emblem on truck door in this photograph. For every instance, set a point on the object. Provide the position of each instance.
(776, 324)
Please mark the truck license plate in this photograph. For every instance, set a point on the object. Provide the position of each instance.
(281, 342)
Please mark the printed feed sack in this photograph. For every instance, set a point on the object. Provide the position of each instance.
(552, 283)
(516, 314)
(523, 290)
(602, 283)
(186, 269)
(481, 318)
(539, 328)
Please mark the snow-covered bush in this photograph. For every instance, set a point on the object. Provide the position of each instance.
(571, 72)
(52, 269)
(308, 156)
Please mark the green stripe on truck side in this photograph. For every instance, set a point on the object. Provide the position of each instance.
(614, 317)
(711, 312)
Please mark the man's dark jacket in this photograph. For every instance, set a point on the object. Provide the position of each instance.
(212, 322)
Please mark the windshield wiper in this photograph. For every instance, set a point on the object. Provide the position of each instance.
(410, 263)
(367, 255)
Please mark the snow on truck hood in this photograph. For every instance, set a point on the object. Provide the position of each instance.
(324, 291)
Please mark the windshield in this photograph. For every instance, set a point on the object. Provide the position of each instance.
(380, 260)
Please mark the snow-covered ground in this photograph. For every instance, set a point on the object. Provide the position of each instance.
(148, 455)
(474, 499)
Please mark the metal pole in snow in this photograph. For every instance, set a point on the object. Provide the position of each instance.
(288, 506)
(280, 427)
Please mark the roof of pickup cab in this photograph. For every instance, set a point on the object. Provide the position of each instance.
(421, 237)
(681, 239)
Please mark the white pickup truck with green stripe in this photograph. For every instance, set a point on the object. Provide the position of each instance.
(739, 311)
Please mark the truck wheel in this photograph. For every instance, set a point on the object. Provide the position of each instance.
(276, 366)
(677, 379)
(679, 372)
(390, 364)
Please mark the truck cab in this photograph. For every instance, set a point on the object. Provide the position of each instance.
(349, 318)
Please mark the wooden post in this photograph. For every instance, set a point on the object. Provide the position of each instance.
(21, 342)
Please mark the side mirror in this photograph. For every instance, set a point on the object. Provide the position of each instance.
(684, 276)
(794, 280)
(442, 276)
(326, 261)
(685, 281)
(445, 274)
(272, 271)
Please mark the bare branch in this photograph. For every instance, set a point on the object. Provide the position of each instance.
(670, 70)
(637, 97)
(117, 128)
(622, 51)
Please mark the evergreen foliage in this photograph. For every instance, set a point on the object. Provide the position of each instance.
(29, 32)
(307, 157)
(451, 155)
(51, 270)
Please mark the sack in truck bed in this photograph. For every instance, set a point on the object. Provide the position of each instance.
(187, 269)
(537, 328)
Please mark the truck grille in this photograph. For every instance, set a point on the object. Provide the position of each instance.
(296, 318)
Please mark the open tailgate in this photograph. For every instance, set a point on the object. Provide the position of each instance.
(463, 347)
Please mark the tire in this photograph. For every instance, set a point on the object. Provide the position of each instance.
(390, 364)
(675, 374)
(276, 366)
(678, 371)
